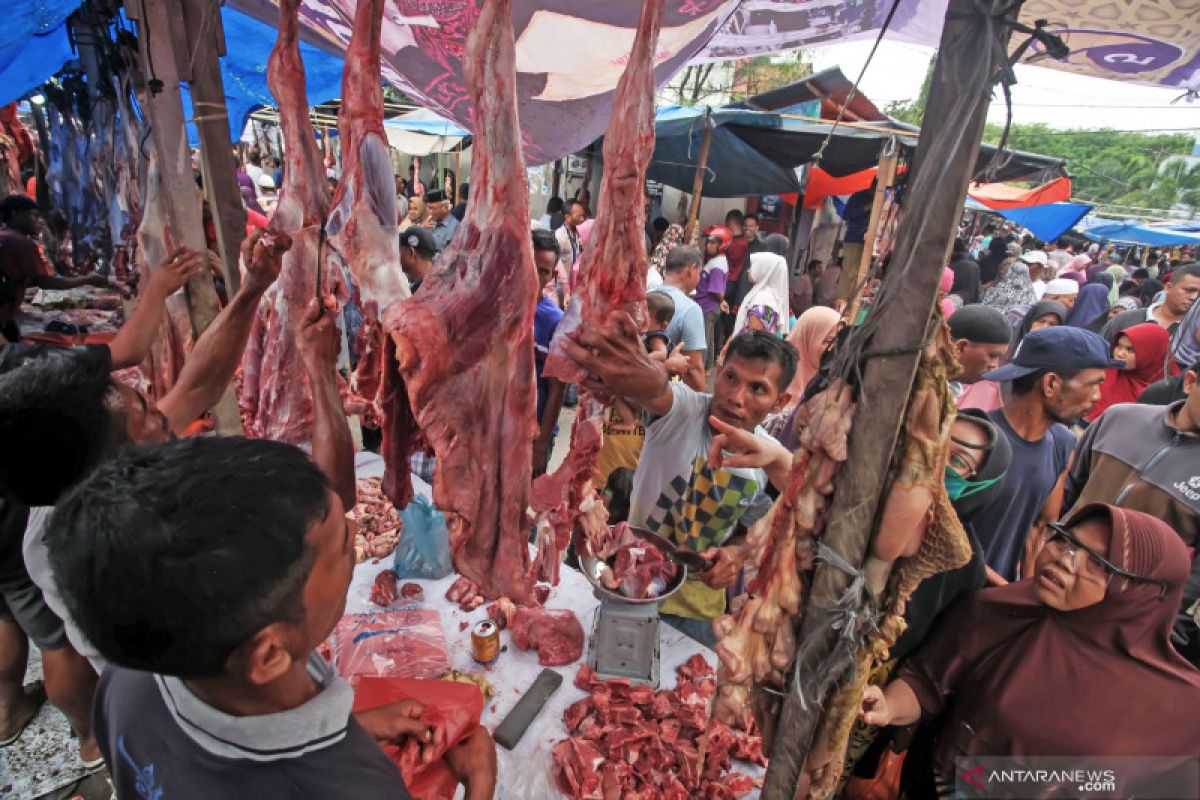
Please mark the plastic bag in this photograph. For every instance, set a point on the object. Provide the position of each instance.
(398, 643)
(454, 707)
(528, 776)
(424, 548)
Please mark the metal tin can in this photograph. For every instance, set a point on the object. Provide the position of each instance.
(485, 642)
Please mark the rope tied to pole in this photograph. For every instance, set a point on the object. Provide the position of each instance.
(854, 615)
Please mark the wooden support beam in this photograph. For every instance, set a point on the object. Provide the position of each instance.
(884, 175)
(693, 221)
(161, 34)
(210, 116)
(967, 62)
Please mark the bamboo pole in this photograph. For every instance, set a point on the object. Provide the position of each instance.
(698, 180)
(945, 158)
(210, 116)
(884, 176)
(160, 27)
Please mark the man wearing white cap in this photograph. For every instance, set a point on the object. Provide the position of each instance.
(1064, 290)
(1036, 260)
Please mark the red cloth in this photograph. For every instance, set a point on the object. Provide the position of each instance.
(736, 254)
(1151, 342)
(1017, 677)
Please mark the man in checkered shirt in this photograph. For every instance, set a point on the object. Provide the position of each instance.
(703, 474)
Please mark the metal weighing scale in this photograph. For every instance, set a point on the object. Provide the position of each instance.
(624, 641)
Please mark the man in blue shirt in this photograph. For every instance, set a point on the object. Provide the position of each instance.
(546, 317)
(681, 276)
(440, 223)
(1056, 375)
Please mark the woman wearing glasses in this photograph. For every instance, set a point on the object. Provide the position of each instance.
(1072, 661)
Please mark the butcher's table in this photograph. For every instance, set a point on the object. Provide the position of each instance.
(525, 772)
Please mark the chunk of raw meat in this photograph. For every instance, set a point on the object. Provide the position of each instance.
(613, 274)
(464, 592)
(412, 591)
(634, 567)
(377, 520)
(275, 399)
(502, 612)
(559, 498)
(555, 634)
(362, 223)
(645, 743)
(463, 344)
(384, 591)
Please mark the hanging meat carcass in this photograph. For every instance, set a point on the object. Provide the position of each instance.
(275, 399)
(463, 345)
(174, 339)
(612, 282)
(362, 222)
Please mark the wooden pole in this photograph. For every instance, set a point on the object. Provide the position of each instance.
(210, 116)
(884, 175)
(41, 189)
(458, 176)
(556, 184)
(698, 180)
(967, 61)
(161, 45)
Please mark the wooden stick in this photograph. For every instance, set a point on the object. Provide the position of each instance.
(944, 162)
(883, 179)
(698, 181)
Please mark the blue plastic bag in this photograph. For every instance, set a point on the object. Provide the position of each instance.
(424, 548)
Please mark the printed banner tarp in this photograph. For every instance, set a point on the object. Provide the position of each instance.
(570, 53)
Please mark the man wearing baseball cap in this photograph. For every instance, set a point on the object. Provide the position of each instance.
(417, 249)
(1055, 378)
(1036, 261)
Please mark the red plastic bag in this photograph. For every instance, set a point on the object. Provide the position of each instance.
(454, 707)
(402, 643)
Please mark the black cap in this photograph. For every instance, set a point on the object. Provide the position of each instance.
(979, 324)
(420, 239)
(1055, 348)
(435, 196)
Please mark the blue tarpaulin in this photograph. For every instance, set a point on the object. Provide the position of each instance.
(248, 44)
(1047, 221)
(1132, 232)
(36, 59)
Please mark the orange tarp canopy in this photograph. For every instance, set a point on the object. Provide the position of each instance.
(1000, 195)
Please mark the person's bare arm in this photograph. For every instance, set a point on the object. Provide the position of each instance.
(617, 363)
(1050, 512)
(995, 578)
(694, 376)
(555, 392)
(59, 282)
(132, 343)
(318, 341)
(218, 352)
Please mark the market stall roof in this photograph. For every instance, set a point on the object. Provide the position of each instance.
(829, 90)
(755, 152)
(1134, 232)
(422, 132)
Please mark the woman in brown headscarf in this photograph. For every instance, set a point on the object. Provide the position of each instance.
(1073, 661)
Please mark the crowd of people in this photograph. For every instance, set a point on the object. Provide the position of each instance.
(1072, 466)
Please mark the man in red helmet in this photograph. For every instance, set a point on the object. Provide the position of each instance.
(710, 293)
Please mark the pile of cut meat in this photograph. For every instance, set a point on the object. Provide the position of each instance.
(378, 522)
(629, 741)
(634, 567)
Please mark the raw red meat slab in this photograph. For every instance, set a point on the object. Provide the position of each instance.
(362, 222)
(613, 274)
(463, 344)
(555, 634)
(275, 399)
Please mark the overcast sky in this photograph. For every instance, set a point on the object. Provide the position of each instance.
(1057, 98)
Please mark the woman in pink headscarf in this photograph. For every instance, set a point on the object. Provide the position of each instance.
(815, 331)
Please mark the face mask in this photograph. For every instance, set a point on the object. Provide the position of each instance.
(958, 487)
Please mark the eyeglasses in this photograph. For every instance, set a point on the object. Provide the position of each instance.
(1062, 539)
(961, 465)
